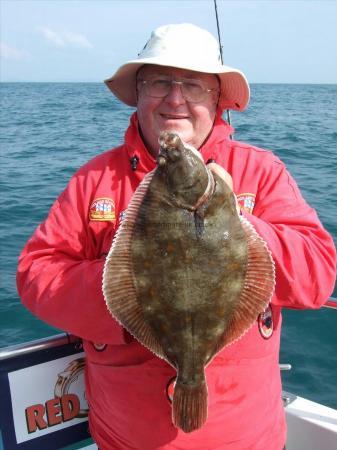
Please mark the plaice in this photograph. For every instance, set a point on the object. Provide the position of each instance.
(186, 275)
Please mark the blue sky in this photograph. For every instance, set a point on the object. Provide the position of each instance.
(65, 40)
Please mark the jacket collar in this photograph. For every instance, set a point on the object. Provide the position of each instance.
(217, 141)
(136, 149)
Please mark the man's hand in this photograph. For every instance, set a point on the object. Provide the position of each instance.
(222, 173)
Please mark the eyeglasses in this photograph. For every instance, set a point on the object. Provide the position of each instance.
(192, 90)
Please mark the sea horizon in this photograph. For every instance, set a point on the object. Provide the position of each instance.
(102, 81)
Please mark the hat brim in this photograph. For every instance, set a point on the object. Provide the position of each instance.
(234, 85)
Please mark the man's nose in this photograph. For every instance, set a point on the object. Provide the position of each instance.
(175, 96)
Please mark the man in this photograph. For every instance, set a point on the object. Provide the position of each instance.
(177, 83)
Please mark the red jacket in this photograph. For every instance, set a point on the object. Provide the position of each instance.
(60, 276)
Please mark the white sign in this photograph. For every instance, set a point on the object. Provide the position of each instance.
(48, 397)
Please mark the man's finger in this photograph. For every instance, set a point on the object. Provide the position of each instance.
(222, 173)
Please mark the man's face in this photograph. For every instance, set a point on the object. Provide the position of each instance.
(192, 120)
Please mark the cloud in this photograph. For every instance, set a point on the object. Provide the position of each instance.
(65, 38)
(8, 52)
(53, 37)
(77, 39)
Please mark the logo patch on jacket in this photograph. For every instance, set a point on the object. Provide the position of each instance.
(246, 202)
(102, 210)
(170, 388)
(99, 347)
(266, 324)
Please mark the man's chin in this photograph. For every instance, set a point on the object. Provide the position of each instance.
(184, 134)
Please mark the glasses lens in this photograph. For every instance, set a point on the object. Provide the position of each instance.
(158, 87)
(193, 90)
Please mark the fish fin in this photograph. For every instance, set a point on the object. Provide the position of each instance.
(189, 406)
(258, 287)
(118, 279)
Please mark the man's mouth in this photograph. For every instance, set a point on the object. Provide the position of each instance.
(174, 116)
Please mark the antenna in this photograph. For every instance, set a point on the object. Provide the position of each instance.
(221, 55)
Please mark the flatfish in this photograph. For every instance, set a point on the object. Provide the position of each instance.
(186, 274)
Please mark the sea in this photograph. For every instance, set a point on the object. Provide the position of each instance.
(48, 130)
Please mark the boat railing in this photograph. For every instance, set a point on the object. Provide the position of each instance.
(64, 339)
(331, 303)
(46, 343)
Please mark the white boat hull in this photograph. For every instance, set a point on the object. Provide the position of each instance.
(311, 426)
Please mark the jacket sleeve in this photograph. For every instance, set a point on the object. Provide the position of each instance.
(59, 277)
(303, 251)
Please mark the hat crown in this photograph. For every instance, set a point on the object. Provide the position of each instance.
(185, 42)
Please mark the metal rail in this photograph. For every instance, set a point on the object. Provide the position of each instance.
(38, 344)
(331, 303)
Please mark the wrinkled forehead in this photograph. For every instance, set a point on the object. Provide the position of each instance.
(151, 69)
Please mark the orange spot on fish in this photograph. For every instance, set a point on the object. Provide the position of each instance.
(169, 248)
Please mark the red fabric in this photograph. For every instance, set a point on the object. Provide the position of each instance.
(59, 279)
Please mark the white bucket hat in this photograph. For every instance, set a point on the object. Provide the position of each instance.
(184, 46)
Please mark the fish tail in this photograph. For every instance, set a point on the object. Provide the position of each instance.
(189, 406)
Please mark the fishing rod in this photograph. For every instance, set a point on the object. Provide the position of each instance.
(221, 54)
